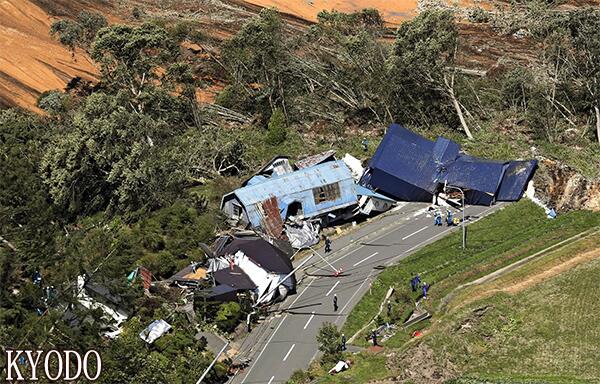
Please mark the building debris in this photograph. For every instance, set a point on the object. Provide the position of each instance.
(190, 276)
(283, 201)
(409, 167)
(302, 235)
(313, 160)
(253, 264)
(355, 166)
(95, 296)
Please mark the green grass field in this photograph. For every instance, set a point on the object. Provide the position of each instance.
(511, 234)
(546, 333)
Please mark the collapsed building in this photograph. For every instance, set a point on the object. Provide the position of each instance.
(409, 167)
(250, 264)
(318, 188)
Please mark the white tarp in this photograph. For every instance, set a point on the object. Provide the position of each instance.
(156, 329)
(355, 166)
(340, 366)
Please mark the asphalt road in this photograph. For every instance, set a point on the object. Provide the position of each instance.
(287, 342)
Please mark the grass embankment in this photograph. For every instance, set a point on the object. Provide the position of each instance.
(535, 324)
(511, 234)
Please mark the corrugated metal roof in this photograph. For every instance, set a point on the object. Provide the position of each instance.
(315, 159)
(301, 180)
(410, 167)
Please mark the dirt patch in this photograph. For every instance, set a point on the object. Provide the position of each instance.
(537, 278)
(562, 187)
(419, 365)
(31, 61)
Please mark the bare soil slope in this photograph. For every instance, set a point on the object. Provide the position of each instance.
(31, 62)
(393, 11)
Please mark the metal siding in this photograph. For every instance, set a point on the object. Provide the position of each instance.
(298, 186)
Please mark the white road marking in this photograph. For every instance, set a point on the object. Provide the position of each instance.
(273, 335)
(309, 319)
(414, 233)
(384, 234)
(354, 294)
(290, 351)
(271, 379)
(365, 259)
(332, 288)
(431, 239)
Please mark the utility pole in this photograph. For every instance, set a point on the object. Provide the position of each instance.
(335, 270)
(211, 364)
(464, 234)
(261, 299)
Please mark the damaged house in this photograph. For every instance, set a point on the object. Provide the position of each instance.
(94, 296)
(320, 187)
(409, 167)
(251, 263)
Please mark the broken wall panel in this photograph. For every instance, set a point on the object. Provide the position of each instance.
(270, 218)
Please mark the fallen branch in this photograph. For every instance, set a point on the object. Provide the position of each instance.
(8, 244)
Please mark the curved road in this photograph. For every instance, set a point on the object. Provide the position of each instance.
(287, 341)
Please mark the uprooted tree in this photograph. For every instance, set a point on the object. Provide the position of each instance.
(424, 53)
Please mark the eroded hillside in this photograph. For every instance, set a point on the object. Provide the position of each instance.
(31, 62)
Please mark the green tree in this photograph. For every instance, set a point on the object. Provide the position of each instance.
(585, 58)
(55, 102)
(68, 33)
(424, 53)
(277, 130)
(111, 158)
(329, 342)
(228, 316)
(80, 32)
(132, 60)
(257, 59)
(91, 23)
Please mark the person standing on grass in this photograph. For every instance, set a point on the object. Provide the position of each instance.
(343, 342)
(425, 289)
(389, 307)
(335, 303)
(374, 337)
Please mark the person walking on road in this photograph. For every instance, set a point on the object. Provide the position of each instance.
(343, 342)
(335, 303)
(327, 245)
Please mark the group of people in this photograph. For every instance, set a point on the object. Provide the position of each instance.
(415, 284)
(438, 218)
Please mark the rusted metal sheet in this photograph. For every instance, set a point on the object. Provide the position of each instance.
(270, 218)
(315, 159)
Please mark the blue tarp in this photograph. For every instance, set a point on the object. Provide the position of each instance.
(409, 167)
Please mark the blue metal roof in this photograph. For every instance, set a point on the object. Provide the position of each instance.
(302, 180)
(298, 187)
(409, 167)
